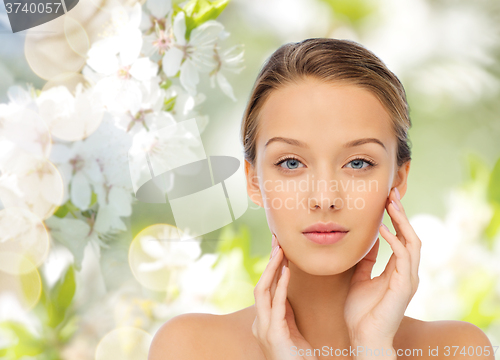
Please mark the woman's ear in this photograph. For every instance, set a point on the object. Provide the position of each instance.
(253, 187)
(401, 180)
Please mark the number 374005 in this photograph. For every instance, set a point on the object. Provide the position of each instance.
(33, 7)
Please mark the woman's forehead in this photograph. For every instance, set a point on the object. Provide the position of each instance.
(315, 111)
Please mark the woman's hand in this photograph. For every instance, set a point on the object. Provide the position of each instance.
(375, 307)
(274, 326)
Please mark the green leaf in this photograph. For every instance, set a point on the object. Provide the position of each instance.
(477, 289)
(478, 168)
(166, 84)
(200, 11)
(190, 7)
(93, 199)
(41, 308)
(66, 333)
(30, 284)
(209, 11)
(227, 242)
(64, 290)
(61, 211)
(28, 344)
(494, 226)
(353, 10)
(231, 241)
(68, 206)
(61, 296)
(235, 290)
(168, 105)
(493, 195)
(494, 184)
(176, 8)
(190, 25)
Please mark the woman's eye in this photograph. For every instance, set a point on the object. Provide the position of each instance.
(358, 164)
(290, 162)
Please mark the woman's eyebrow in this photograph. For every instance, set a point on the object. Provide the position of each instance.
(293, 142)
(348, 144)
(358, 142)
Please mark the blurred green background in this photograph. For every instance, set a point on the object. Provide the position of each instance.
(447, 55)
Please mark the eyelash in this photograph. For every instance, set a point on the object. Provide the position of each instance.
(282, 160)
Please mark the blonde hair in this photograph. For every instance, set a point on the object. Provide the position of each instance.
(328, 60)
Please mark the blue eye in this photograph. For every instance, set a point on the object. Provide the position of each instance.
(292, 162)
(358, 163)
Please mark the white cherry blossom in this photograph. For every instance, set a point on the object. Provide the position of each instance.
(127, 87)
(122, 45)
(150, 115)
(70, 117)
(116, 66)
(75, 234)
(193, 56)
(21, 98)
(160, 39)
(22, 132)
(157, 12)
(168, 253)
(109, 146)
(185, 106)
(114, 202)
(231, 60)
(79, 170)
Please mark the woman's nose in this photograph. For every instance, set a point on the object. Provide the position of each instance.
(325, 191)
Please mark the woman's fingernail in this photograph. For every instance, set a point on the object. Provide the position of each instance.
(394, 203)
(275, 251)
(274, 241)
(385, 227)
(283, 270)
(397, 193)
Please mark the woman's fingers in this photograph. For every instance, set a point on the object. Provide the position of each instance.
(397, 199)
(279, 301)
(277, 275)
(403, 227)
(270, 297)
(365, 266)
(403, 265)
(390, 266)
(262, 291)
(390, 208)
(273, 244)
(276, 284)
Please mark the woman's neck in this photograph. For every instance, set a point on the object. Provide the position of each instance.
(318, 305)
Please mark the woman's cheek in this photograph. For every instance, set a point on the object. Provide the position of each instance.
(371, 211)
(372, 201)
(273, 205)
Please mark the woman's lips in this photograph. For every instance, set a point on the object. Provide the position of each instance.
(325, 238)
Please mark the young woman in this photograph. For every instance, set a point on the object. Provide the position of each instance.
(326, 152)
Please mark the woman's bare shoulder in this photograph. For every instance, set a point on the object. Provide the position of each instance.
(199, 335)
(451, 338)
(183, 337)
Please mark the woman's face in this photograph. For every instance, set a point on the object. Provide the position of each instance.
(320, 158)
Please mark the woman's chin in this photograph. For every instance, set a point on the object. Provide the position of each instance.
(319, 269)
